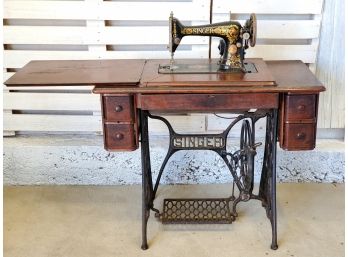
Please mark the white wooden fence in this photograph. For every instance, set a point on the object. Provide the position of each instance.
(96, 29)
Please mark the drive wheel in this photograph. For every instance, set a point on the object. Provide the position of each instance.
(247, 157)
(253, 30)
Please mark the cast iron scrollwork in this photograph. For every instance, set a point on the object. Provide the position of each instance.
(240, 164)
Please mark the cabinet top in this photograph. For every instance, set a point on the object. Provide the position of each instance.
(78, 72)
(141, 76)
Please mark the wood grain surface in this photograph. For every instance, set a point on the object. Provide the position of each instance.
(151, 77)
(71, 73)
(207, 102)
(290, 77)
(111, 76)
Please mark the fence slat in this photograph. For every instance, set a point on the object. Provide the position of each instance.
(81, 10)
(269, 6)
(181, 124)
(283, 29)
(331, 66)
(84, 123)
(53, 123)
(18, 58)
(51, 101)
(140, 35)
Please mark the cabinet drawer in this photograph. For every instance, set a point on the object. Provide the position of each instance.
(119, 137)
(300, 107)
(299, 136)
(208, 102)
(118, 108)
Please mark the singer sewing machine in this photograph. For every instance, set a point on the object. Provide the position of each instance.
(285, 93)
(235, 39)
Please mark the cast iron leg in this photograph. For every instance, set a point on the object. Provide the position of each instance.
(268, 177)
(274, 244)
(147, 188)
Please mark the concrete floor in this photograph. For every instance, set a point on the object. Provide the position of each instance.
(106, 221)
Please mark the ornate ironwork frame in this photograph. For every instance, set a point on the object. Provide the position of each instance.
(240, 164)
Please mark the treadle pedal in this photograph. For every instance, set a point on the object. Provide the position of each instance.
(196, 211)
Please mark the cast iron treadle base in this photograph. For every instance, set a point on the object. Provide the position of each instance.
(240, 164)
(197, 211)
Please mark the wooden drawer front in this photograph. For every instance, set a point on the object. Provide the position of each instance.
(118, 108)
(299, 136)
(209, 102)
(300, 107)
(119, 137)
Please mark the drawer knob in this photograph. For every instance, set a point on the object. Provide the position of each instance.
(119, 136)
(118, 108)
(301, 107)
(301, 135)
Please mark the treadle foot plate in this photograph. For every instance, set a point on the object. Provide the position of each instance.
(196, 211)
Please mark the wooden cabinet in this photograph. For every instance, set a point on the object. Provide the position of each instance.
(298, 121)
(208, 102)
(126, 85)
(297, 114)
(119, 136)
(119, 122)
(118, 108)
(299, 136)
(300, 107)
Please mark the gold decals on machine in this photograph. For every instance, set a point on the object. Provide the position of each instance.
(229, 31)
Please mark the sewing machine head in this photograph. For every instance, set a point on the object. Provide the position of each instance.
(235, 38)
